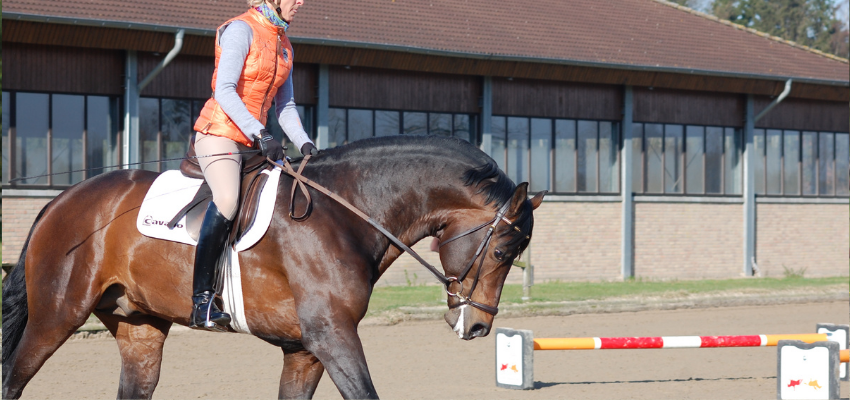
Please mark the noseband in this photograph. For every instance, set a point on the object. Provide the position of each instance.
(301, 181)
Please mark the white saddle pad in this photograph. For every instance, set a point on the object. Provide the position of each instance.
(172, 191)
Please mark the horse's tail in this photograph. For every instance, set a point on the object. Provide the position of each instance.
(15, 313)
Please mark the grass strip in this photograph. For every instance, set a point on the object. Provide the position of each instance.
(392, 297)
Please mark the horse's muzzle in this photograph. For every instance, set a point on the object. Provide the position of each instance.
(465, 324)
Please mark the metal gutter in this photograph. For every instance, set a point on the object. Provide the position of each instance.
(778, 100)
(178, 44)
(427, 51)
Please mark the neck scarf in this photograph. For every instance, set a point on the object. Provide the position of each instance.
(272, 16)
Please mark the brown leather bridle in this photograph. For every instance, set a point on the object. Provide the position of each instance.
(301, 182)
(464, 299)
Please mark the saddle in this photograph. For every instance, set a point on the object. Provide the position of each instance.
(252, 183)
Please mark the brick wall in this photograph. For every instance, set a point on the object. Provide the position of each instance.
(580, 241)
(688, 240)
(407, 271)
(571, 241)
(576, 241)
(18, 215)
(797, 236)
(416, 273)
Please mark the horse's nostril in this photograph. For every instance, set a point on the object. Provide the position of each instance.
(480, 330)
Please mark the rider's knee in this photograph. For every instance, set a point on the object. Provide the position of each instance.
(226, 204)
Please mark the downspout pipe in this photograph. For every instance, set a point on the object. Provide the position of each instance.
(778, 100)
(178, 44)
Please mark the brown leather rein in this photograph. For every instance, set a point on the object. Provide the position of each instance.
(301, 182)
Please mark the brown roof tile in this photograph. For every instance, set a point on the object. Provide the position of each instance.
(637, 34)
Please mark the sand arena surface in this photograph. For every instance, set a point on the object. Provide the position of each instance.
(425, 360)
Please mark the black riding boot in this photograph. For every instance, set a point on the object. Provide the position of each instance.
(211, 245)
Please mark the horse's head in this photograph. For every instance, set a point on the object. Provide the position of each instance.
(477, 249)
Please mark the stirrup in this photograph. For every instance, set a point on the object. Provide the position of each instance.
(204, 303)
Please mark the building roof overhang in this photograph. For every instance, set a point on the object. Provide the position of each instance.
(296, 39)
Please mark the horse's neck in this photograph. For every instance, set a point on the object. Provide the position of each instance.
(408, 199)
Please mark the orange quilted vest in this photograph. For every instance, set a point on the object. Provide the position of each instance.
(267, 66)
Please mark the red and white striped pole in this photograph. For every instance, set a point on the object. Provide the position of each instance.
(670, 342)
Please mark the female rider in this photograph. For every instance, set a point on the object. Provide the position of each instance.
(253, 59)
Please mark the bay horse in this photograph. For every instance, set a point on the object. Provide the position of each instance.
(306, 285)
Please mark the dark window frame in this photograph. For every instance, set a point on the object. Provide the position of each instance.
(683, 160)
(193, 115)
(817, 163)
(617, 129)
(12, 134)
(473, 117)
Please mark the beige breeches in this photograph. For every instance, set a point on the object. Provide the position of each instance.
(222, 172)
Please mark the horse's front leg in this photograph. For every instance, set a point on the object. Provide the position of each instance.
(301, 374)
(337, 345)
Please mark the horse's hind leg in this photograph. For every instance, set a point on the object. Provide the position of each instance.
(38, 342)
(140, 339)
(300, 376)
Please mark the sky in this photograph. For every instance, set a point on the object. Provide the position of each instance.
(844, 11)
(843, 8)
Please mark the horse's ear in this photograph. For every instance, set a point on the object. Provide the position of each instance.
(520, 195)
(537, 199)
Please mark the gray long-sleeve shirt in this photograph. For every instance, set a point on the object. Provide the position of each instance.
(235, 40)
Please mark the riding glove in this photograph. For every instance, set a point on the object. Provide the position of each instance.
(268, 145)
(309, 148)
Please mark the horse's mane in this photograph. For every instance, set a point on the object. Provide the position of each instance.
(480, 171)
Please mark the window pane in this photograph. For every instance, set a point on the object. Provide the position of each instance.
(714, 160)
(541, 142)
(826, 164)
(758, 169)
(518, 149)
(440, 124)
(792, 162)
(609, 143)
(305, 113)
(565, 155)
(336, 127)
(31, 136)
(415, 123)
(7, 114)
(494, 143)
(462, 128)
(101, 130)
(733, 172)
(637, 158)
(587, 156)
(774, 161)
(809, 161)
(274, 128)
(149, 132)
(68, 125)
(673, 149)
(842, 164)
(386, 123)
(359, 124)
(654, 136)
(176, 129)
(694, 150)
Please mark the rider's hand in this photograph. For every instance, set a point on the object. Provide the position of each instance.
(309, 148)
(268, 145)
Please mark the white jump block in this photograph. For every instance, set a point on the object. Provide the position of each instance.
(841, 335)
(514, 359)
(807, 371)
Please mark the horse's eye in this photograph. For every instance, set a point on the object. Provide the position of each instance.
(499, 254)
